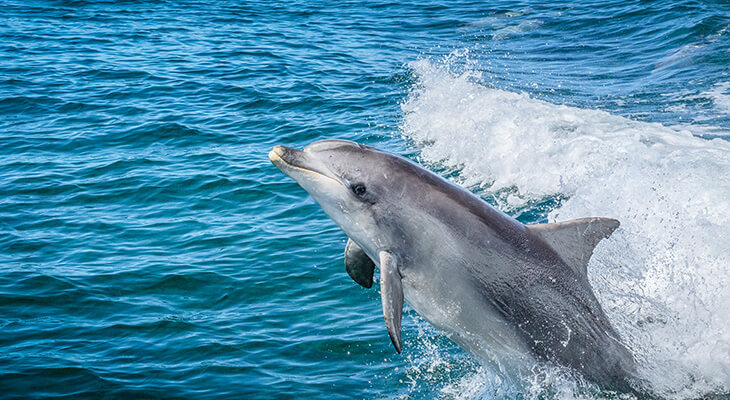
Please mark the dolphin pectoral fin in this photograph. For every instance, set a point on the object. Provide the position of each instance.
(359, 266)
(391, 293)
(575, 240)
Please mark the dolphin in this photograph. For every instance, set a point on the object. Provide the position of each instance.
(512, 294)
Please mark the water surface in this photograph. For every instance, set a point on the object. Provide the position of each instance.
(149, 249)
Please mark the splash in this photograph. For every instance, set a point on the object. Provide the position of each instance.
(663, 277)
(720, 95)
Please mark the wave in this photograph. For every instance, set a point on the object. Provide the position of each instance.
(662, 277)
(720, 95)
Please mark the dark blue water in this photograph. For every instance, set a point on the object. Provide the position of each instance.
(150, 250)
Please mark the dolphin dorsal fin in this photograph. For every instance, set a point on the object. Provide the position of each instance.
(575, 240)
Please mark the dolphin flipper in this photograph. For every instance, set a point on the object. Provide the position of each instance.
(575, 240)
(359, 266)
(391, 293)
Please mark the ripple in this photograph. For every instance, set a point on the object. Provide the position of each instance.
(149, 249)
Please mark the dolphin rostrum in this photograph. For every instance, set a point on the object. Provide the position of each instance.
(507, 292)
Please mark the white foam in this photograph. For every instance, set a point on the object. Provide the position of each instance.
(720, 95)
(664, 276)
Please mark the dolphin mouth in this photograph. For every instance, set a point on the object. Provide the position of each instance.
(290, 160)
(286, 157)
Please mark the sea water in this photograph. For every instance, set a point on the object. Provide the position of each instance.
(150, 250)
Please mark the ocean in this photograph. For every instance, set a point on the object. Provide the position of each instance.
(149, 249)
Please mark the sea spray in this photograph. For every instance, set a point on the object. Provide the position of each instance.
(663, 278)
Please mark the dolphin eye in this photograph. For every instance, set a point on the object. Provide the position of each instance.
(358, 189)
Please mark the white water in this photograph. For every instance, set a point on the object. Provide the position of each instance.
(664, 276)
(720, 95)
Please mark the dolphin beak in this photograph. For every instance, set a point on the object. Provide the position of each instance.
(298, 163)
(283, 155)
(288, 160)
(276, 152)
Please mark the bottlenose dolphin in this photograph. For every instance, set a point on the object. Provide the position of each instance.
(507, 292)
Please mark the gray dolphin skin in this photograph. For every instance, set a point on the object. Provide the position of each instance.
(512, 294)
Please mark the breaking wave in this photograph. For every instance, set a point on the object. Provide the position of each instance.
(663, 277)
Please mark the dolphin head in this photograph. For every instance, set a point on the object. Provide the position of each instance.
(353, 184)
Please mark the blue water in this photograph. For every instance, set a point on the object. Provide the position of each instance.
(150, 250)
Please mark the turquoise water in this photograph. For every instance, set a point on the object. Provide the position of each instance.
(150, 250)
